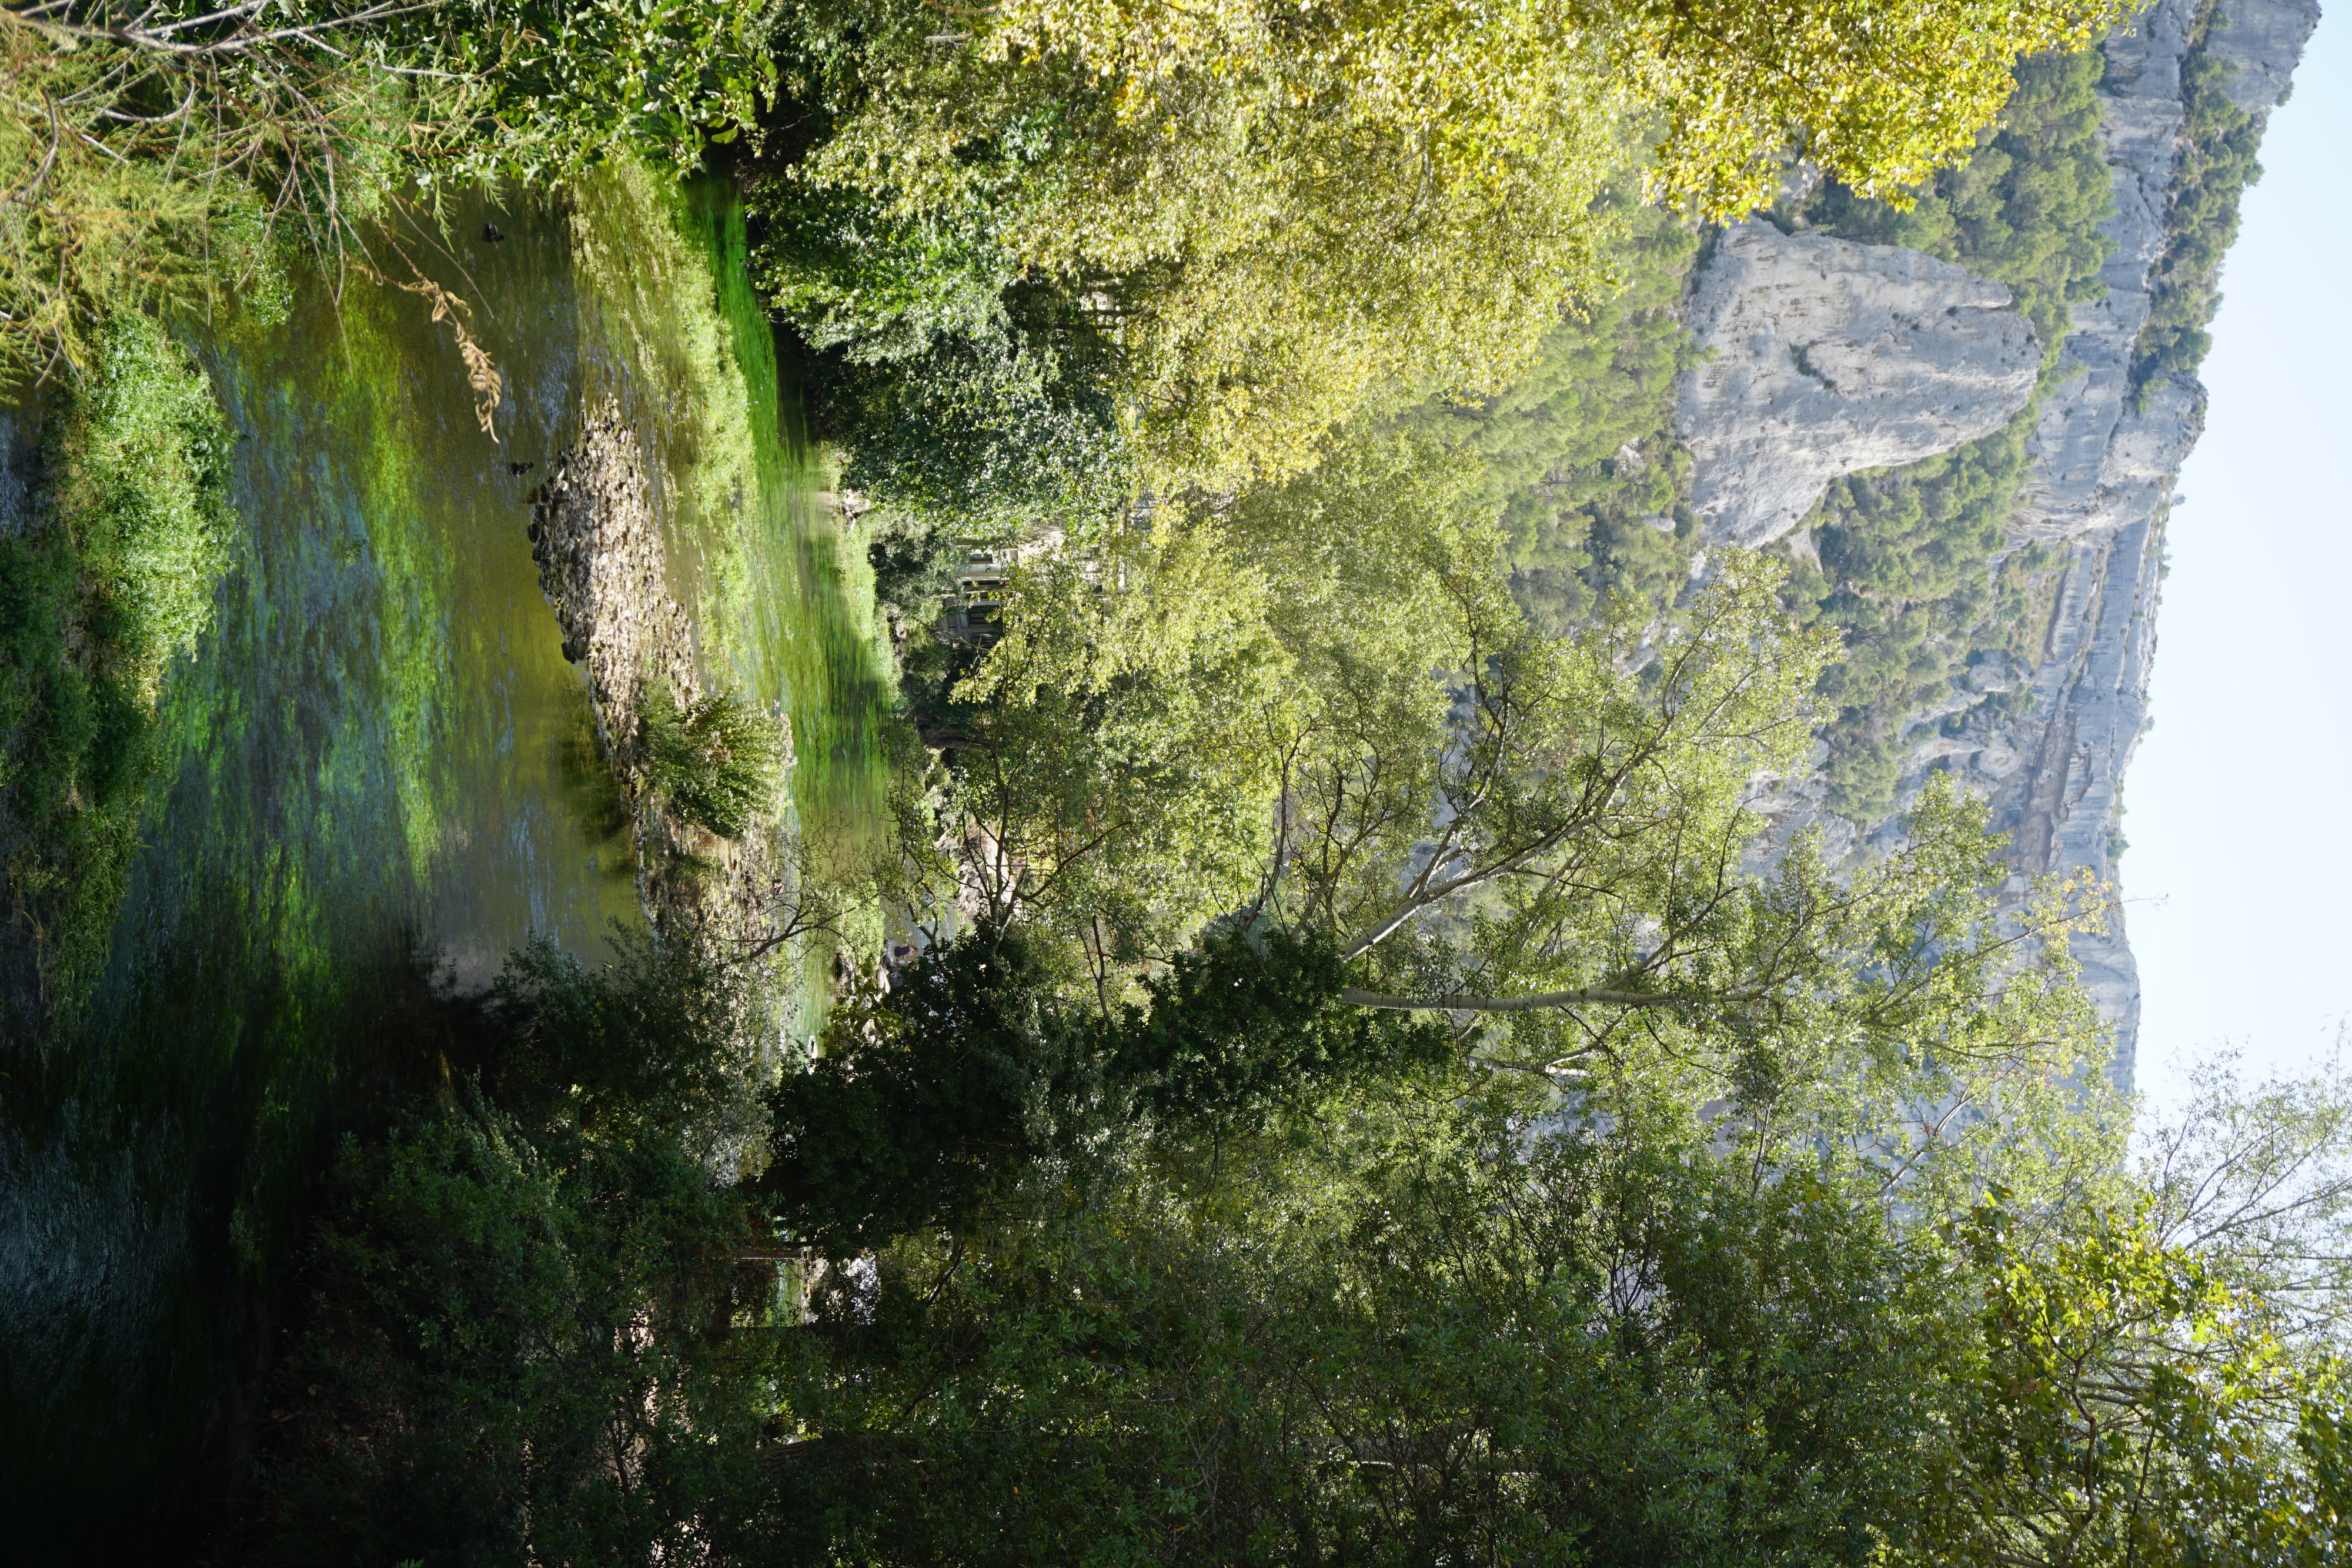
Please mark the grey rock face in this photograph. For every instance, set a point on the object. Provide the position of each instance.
(2103, 465)
(1831, 356)
(2102, 484)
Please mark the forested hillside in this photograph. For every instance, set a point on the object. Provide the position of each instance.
(1917, 567)
(1914, 567)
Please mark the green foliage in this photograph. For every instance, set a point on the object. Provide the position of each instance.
(1242, 1026)
(915, 1116)
(524, 1311)
(1393, 1336)
(1581, 459)
(545, 89)
(159, 146)
(718, 762)
(658, 1043)
(1241, 230)
(2025, 206)
(2214, 165)
(1877, 96)
(175, 152)
(1107, 774)
(112, 579)
(1253, 275)
(1907, 554)
(927, 1109)
(1234, 1278)
(1318, 703)
(1878, 93)
(2123, 1405)
(914, 565)
(518, 1350)
(1908, 577)
(980, 437)
(881, 287)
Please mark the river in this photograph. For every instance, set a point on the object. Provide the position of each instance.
(380, 777)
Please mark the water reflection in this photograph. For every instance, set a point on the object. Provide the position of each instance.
(382, 777)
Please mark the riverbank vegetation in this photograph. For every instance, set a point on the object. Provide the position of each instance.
(1238, 1273)
(104, 580)
(1355, 1081)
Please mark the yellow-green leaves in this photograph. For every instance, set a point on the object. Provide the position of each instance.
(1281, 215)
(1876, 93)
(1114, 781)
(1268, 241)
(2119, 1403)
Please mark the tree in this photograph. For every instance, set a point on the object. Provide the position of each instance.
(933, 1104)
(1260, 268)
(1543, 837)
(1110, 770)
(1877, 93)
(1283, 216)
(1397, 1333)
(2123, 1402)
(519, 1348)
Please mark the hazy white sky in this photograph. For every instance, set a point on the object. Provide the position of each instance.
(2240, 870)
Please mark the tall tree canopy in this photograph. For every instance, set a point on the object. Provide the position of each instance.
(1278, 217)
(1317, 708)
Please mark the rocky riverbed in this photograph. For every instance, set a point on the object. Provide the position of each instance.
(603, 564)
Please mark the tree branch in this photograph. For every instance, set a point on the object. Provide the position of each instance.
(1588, 996)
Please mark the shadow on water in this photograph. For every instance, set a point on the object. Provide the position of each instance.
(381, 777)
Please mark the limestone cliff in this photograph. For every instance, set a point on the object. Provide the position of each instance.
(2104, 454)
(1824, 357)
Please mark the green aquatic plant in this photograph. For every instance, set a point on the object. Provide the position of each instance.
(111, 578)
(718, 761)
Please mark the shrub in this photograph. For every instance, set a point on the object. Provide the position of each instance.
(718, 762)
(519, 1350)
(665, 1039)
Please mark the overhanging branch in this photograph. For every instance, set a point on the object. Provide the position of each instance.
(1589, 995)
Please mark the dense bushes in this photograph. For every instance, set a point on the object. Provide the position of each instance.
(518, 1350)
(929, 1109)
(171, 150)
(519, 1301)
(1386, 1313)
(665, 1041)
(545, 1318)
(1384, 1338)
(540, 1329)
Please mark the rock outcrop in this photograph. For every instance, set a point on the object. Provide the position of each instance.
(2104, 467)
(2105, 457)
(603, 565)
(598, 545)
(1828, 356)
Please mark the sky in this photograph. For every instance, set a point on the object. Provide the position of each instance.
(2238, 879)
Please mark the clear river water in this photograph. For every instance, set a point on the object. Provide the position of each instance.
(380, 777)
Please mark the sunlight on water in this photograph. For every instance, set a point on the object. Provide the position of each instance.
(383, 775)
